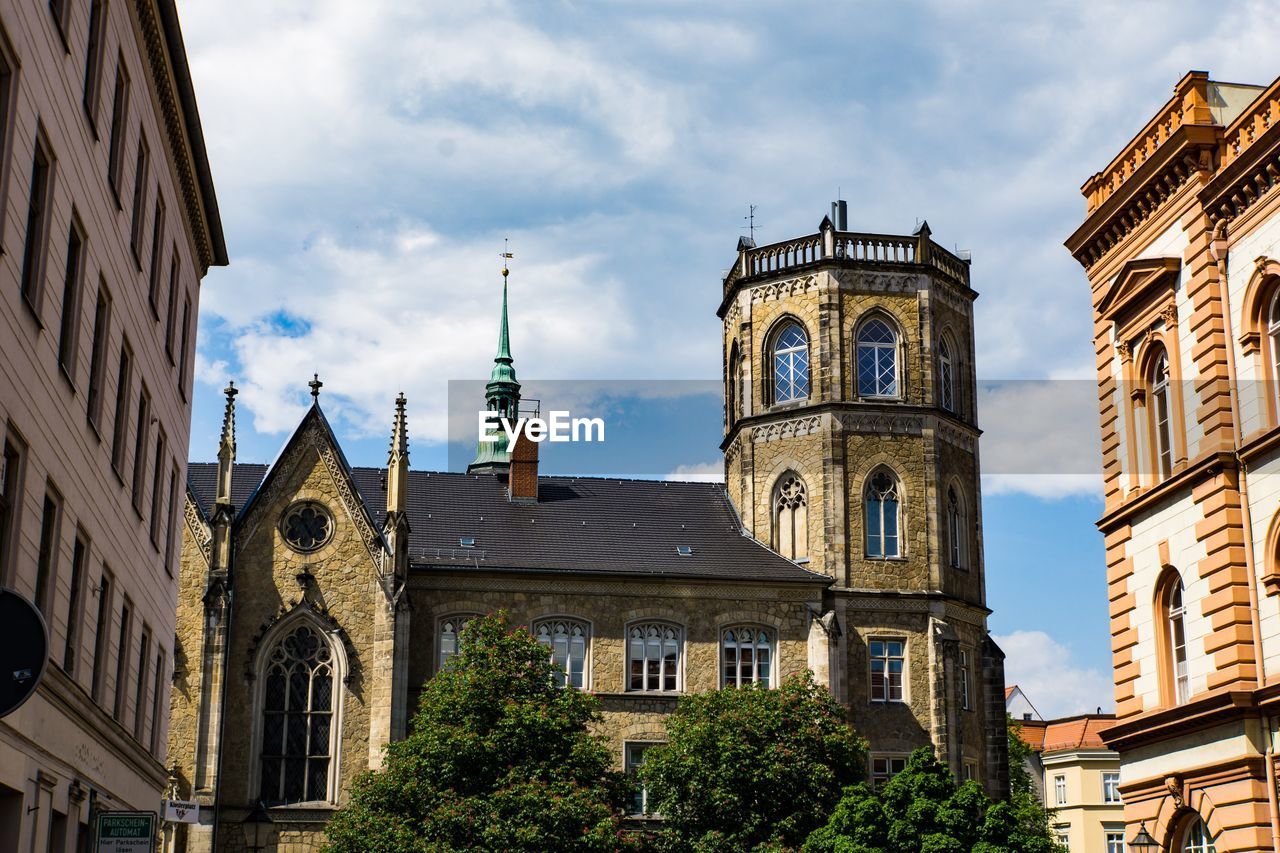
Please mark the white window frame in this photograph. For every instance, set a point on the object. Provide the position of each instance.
(1060, 790)
(966, 693)
(663, 626)
(887, 659)
(1162, 416)
(878, 550)
(1273, 338)
(1196, 838)
(894, 348)
(771, 643)
(792, 355)
(1177, 628)
(570, 622)
(341, 669)
(1111, 787)
(888, 760)
(630, 765)
(1113, 840)
(459, 622)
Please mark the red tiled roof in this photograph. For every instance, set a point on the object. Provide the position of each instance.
(1008, 691)
(1032, 733)
(1076, 732)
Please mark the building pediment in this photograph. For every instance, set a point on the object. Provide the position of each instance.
(1139, 284)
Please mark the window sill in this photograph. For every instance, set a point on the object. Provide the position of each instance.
(884, 559)
(642, 694)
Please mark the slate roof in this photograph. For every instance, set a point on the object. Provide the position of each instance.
(579, 524)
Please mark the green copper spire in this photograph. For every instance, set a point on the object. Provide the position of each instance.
(501, 395)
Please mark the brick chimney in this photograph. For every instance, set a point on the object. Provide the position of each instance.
(522, 476)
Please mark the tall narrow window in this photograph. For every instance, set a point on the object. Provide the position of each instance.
(888, 664)
(98, 355)
(966, 698)
(119, 115)
(37, 237)
(1110, 787)
(746, 653)
(141, 437)
(60, 9)
(790, 364)
(297, 713)
(100, 640)
(1273, 339)
(1059, 790)
(47, 558)
(946, 376)
(171, 520)
(1160, 416)
(182, 358)
(732, 390)
(791, 518)
(955, 529)
(122, 664)
(10, 502)
(124, 379)
(157, 488)
(157, 247)
(8, 80)
(566, 639)
(171, 315)
(877, 359)
(69, 335)
(93, 61)
(653, 657)
(450, 636)
(140, 688)
(634, 759)
(75, 603)
(139, 200)
(881, 501)
(1177, 641)
(157, 703)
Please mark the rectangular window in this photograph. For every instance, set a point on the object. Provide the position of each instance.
(157, 489)
(37, 236)
(156, 704)
(93, 61)
(885, 767)
(47, 558)
(141, 437)
(69, 335)
(122, 664)
(634, 752)
(157, 244)
(970, 771)
(186, 336)
(119, 114)
(171, 317)
(139, 200)
(888, 663)
(1062, 834)
(171, 533)
(120, 432)
(98, 356)
(964, 681)
(1115, 841)
(101, 636)
(140, 696)
(1110, 787)
(10, 503)
(75, 603)
(1059, 790)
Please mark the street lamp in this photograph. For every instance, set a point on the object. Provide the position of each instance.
(1143, 840)
(257, 828)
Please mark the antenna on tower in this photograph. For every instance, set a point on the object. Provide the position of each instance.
(751, 222)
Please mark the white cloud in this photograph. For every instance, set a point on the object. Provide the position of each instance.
(1049, 675)
(700, 472)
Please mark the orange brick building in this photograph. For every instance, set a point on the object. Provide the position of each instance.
(1181, 245)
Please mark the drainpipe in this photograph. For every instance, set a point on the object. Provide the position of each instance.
(1218, 248)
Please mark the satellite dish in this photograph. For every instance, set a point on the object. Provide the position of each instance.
(24, 650)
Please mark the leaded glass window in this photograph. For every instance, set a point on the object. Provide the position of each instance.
(877, 360)
(307, 526)
(653, 656)
(882, 513)
(791, 518)
(567, 641)
(791, 364)
(888, 663)
(955, 529)
(451, 630)
(747, 656)
(946, 376)
(297, 715)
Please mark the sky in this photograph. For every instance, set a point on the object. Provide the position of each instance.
(371, 158)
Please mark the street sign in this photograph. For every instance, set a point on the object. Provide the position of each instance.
(24, 650)
(181, 811)
(125, 832)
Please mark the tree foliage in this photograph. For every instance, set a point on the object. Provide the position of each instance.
(499, 758)
(751, 768)
(921, 810)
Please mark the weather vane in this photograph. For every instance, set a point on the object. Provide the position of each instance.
(506, 256)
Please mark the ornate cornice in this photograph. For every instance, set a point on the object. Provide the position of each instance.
(784, 289)
(790, 428)
(880, 423)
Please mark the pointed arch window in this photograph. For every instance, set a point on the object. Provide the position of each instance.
(791, 518)
(883, 516)
(1177, 627)
(1161, 415)
(946, 376)
(956, 542)
(877, 359)
(791, 364)
(733, 387)
(451, 628)
(653, 657)
(566, 639)
(1196, 838)
(746, 653)
(297, 719)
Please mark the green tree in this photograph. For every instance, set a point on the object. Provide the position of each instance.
(921, 810)
(499, 758)
(751, 768)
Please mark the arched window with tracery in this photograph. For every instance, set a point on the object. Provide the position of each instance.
(877, 349)
(791, 518)
(956, 540)
(746, 652)
(566, 639)
(1196, 837)
(1161, 414)
(883, 515)
(451, 628)
(297, 718)
(653, 657)
(946, 376)
(1172, 642)
(790, 357)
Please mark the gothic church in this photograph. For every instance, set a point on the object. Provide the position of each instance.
(316, 598)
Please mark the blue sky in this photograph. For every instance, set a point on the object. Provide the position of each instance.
(370, 158)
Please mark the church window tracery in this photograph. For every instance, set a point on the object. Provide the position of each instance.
(746, 654)
(297, 716)
(791, 364)
(567, 640)
(307, 526)
(877, 359)
(791, 518)
(653, 657)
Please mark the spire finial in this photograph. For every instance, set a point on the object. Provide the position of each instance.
(398, 462)
(227, 447)
(229, 414)
(399, 431)
(315, 385)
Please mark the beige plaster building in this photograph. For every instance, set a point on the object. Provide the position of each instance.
(1180, 244)
(108, 222)
(316, 598)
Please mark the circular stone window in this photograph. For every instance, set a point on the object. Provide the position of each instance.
(307, 526)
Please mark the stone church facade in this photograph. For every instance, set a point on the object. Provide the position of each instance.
(317, 598)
